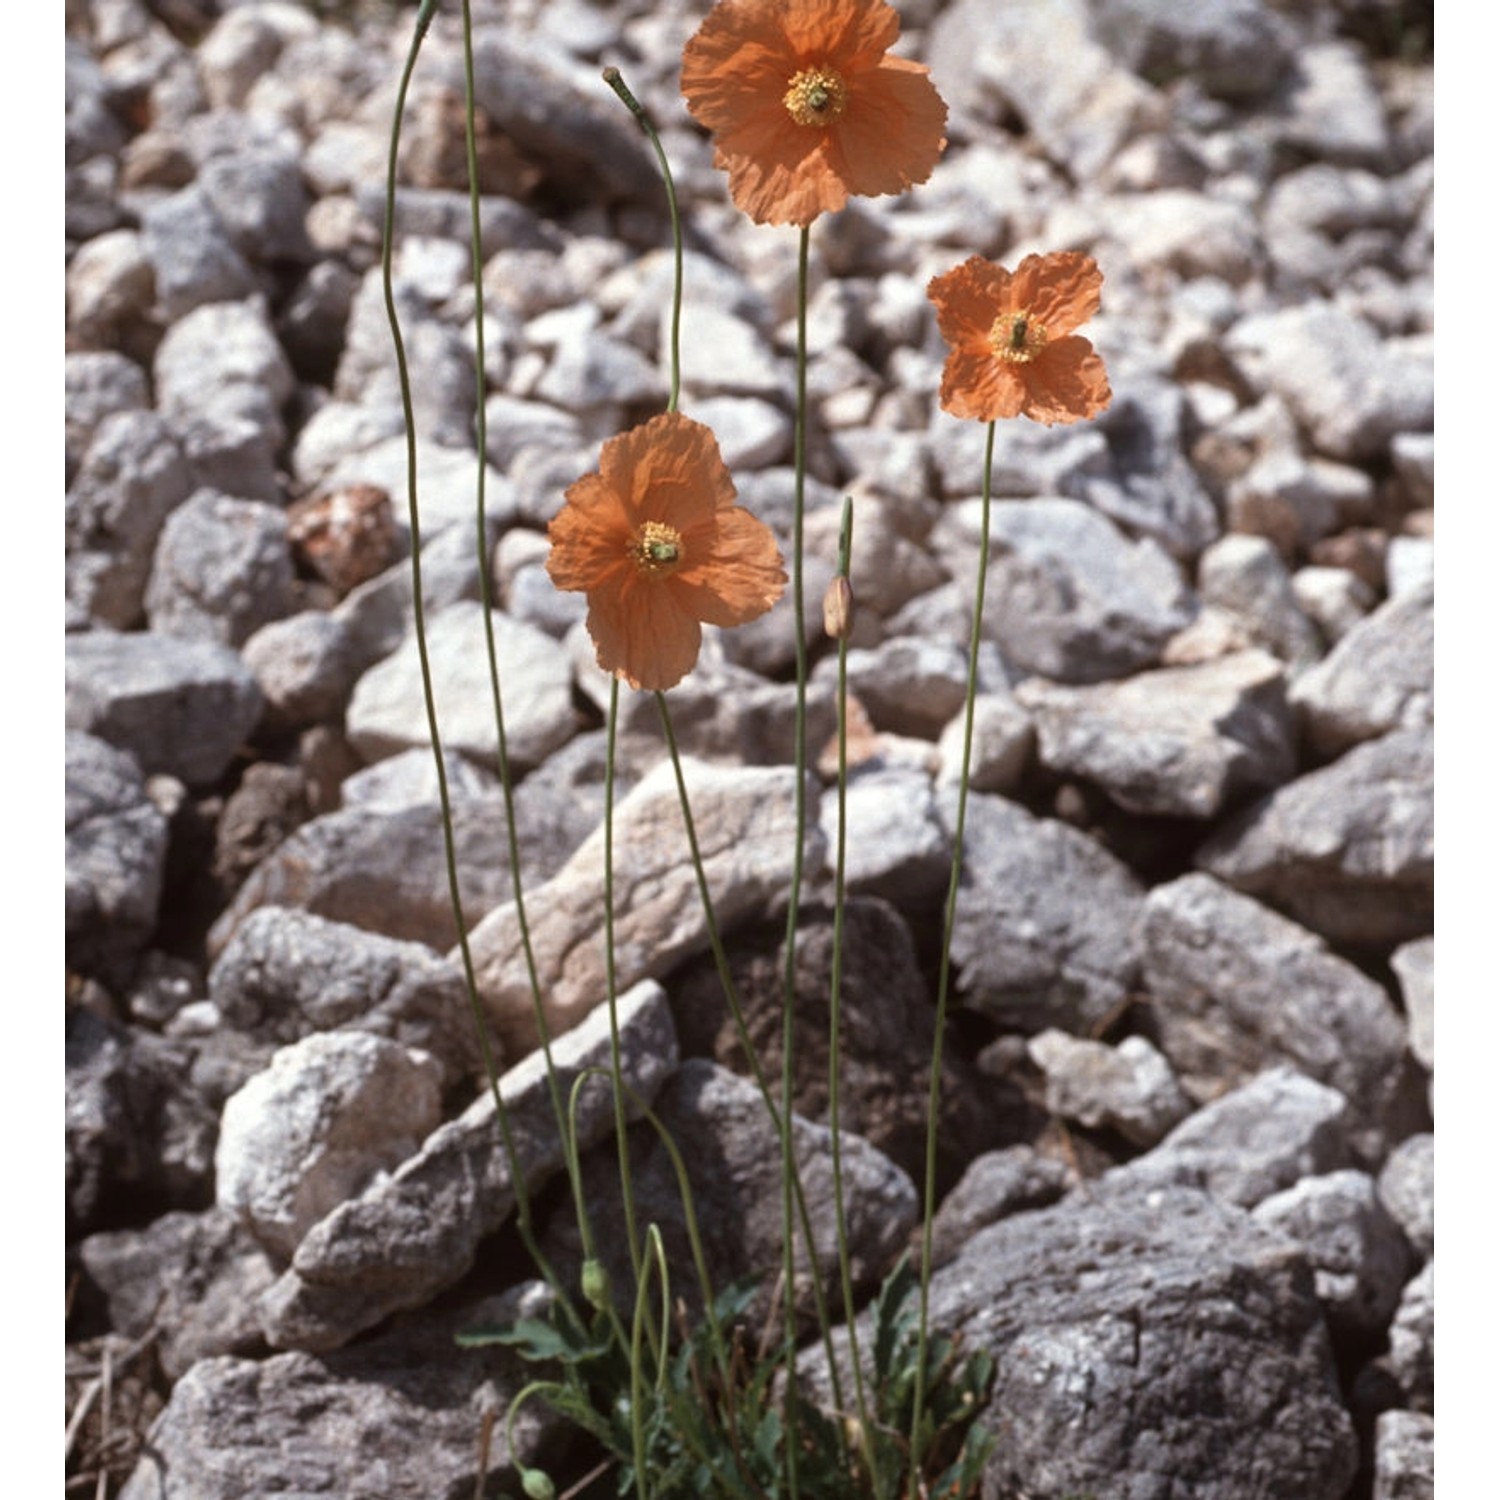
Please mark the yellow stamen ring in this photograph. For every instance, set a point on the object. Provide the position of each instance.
(1017, 338)
(816, 96)
(656, 549)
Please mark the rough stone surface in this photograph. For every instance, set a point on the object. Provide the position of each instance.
(745, 823)
(1404, 1456)
(179, 707)
(996, 1185)
(1237, 988)
(1129, 1088)
(417, 1231)
(1113, 1319)
(1406, 1189)
(1359, 1255)
(1347, 850)
(331, 1113)
(1177, 742)
(115, 856)
(286, 974)
(387, 713)
(222, 569)
(1045, 926)
(1267, 1135)
(1376, 679)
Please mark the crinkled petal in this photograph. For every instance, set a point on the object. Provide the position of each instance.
(968, 300)
(1066, 382)
(642, 633)
(891, 135)
(589, 535)
(848, 36)
(1060, 290)
(733, 571)
(977, 385)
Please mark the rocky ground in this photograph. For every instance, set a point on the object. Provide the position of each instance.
(1186, 1151)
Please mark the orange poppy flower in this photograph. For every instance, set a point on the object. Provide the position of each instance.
(657, 543)
(1012, 349)
(806, 107)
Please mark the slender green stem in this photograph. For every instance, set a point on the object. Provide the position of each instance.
(780, 1123)
(940, 1021)
(611, 984)
(835, 998)
(482, 557)
(794, 895)
(617, 83)
(481, 1025)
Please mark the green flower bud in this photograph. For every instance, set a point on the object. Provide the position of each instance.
(595, 1285)
(538, 1485)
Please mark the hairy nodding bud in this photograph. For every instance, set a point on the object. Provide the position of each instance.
(838, 608)
(538, 1484)
(595, 1281)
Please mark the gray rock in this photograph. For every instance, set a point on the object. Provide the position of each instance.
(136, 1126)
(396, 1417)
(1245, 577)
(193, 1277)
(305, 666)
(287, 974)
(1412, 963)
(1112, 1321)
(1409, 566)
(752, 434)
(1414, 455)
(193, 261)
(98, 384)
(1263, 1137)
(594, 371)
(1233, 51)
(995, 1185)
(411, 777)
(1129, 1089)
(1378, 677)
(1333, 598)
(110, 288)
(387, 713)
(1406, 1189)
(588, 150)
(1332, 107)
(1358, 1253)
(440, 363)
(1178, 742)
(1003, 743)
(236, 454)
(416, 1231)
(728, 355)
(222, 569)
(1044, 933)
(1296, 501)
(224, 361)
(180, 707)
(115, 858)
(259, 198)
(330, 1115)
(1237, 988)
(1186, 233)
(1040, 61)
(1410, 1356)
(1404, 1456)
(745, 824)
(733, 1159)
(1346, 850)
(1154, 491)
(384, 870)
(1068, 597)
(907, 685)
(1350, 389)
(1069, 459)
(91, 127)
(446, 480)
(244, 45)
(132, 477)
(895, 843)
